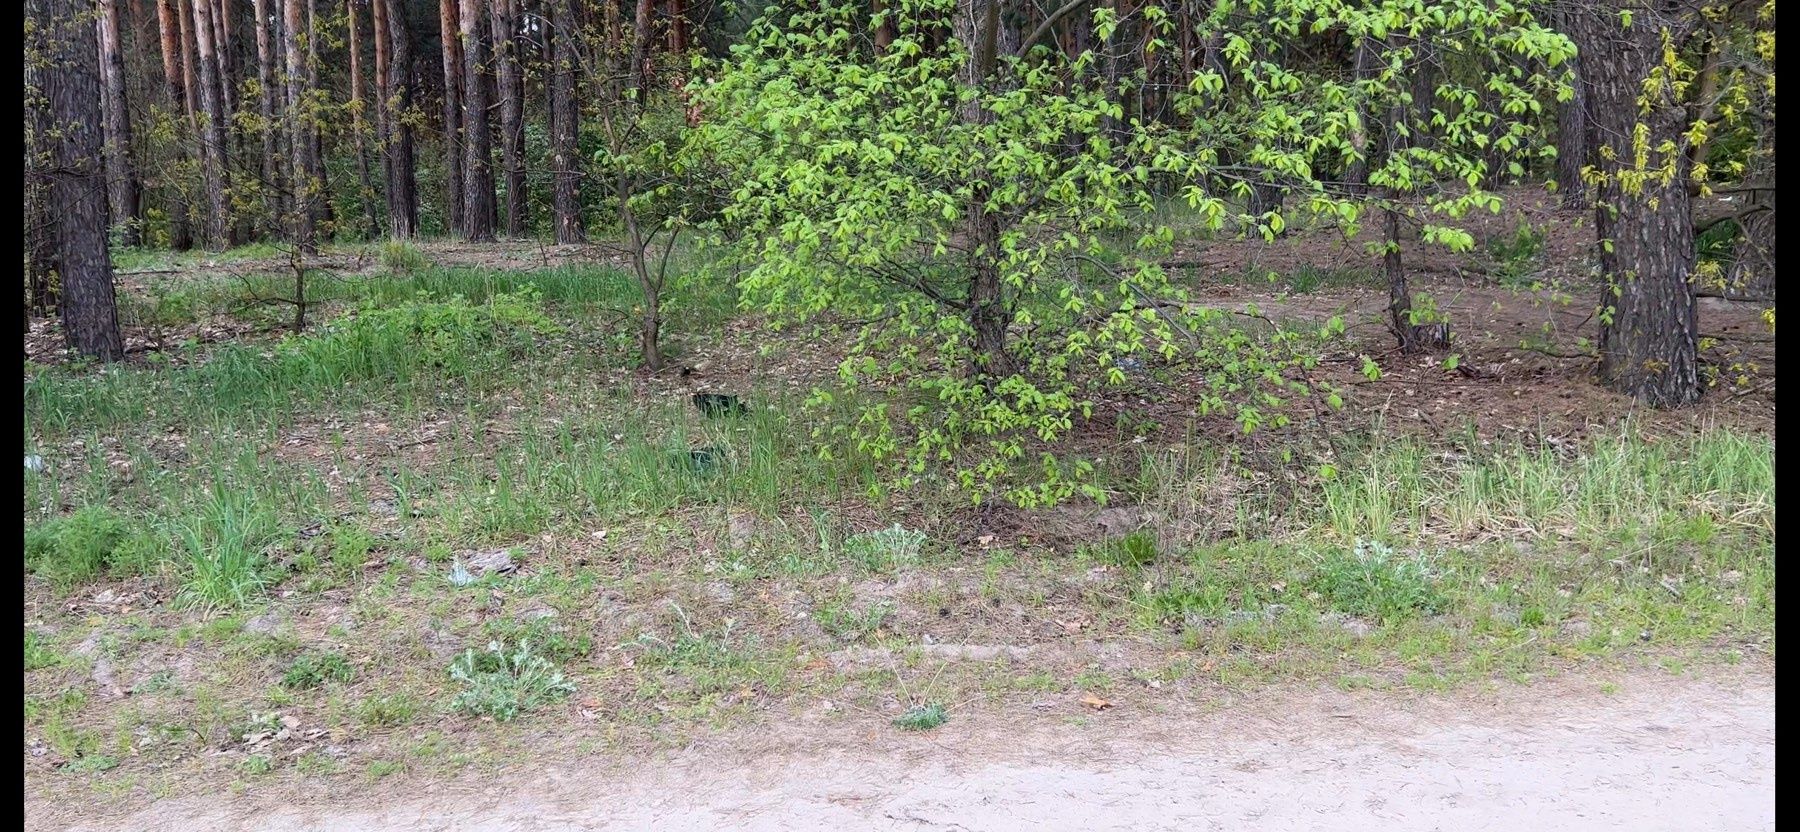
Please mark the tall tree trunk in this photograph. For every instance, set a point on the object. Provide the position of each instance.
(1412, 336)
(1572, 139)
(211, 114)
(1752, 272)
(1356, 174)
(451, 36)
(300, 120)
(676, 10)
(564, 122)
(272, 164)
(71, 79)
(358, 123)
(168, 21)
(510, 83)
(640, 49)
(884, 26)
(225, 14)
(393, 60)
(990, 312)
(121, 174)
(40, 158)
(478, 161)
(1649, 343)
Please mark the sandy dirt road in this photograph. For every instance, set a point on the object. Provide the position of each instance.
(1658, 753)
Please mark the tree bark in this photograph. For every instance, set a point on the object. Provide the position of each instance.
(305, 160)
(71, 79)
(275, 200)
(510, 83)
(1752, 272)
(171, 20)
(990, 312)
(397, 101)
(40, 157)
(451, 36)
(478, 160)
(371, 224)
(1648, 320)
(564, 123)
(1572, 139)
(211, 115)
(640, 49)
(121, 174)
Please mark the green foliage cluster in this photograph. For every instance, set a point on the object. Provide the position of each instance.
(989, 225)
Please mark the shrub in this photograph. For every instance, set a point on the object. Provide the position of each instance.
(501, 684)
(1373, 581)
(87, 543)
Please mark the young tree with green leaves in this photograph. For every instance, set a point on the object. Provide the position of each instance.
(988, 219)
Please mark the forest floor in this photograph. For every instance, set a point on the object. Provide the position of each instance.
(243, 595)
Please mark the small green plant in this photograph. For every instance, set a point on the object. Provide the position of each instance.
(350, 548)
(257, 764)
(402, 258)
(1515, 256)
(922, 717)
(387, 711)
(1373, 581)
(310, 670)
(87, 544)
(379, 769)
(840, 618)
(1135, 549)
(502, 684)
(886, 549)
(38, 654)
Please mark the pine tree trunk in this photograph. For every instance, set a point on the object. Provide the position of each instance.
(168, 21)
(1752, 272)
(510, 83)
(305, 161)
(402, 183)
(121, 173)
(275, 201)
(1648, 321)
(1572, 139)
(640, 50)
(40, 157)
(564, 123)
(676, 10)
(210, 112)
(451, 36)
(478, 160)
(71, 78)
(371, 224)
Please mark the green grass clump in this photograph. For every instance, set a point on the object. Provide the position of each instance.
(400, 257)
(313, 669)
(922, 717)
(502, 684)
(222, 545)
(1373, 581)
(38, 653)
(885, 549)
(92, 541)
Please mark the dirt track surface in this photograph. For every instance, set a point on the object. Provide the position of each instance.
(1657, 754)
